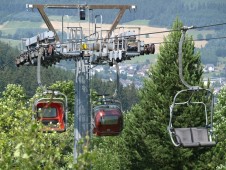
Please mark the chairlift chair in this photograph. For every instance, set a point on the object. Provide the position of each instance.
(191, 136)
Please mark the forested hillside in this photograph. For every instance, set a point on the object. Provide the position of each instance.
(26, 76)
(158, 13)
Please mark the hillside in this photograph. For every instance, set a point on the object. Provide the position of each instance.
(26, 76)
(158, 13)
(151, 16)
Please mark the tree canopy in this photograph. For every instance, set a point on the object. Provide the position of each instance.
(145, 142)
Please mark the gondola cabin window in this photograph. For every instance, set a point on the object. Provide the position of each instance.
(47, 112)
(109, 120)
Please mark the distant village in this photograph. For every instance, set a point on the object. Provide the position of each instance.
(136, 73)
(129, 73)
(215, 77)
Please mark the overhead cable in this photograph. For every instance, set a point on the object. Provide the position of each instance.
(202, 39)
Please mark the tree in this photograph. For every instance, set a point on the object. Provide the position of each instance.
(146, 136)
(67, 88)
(26, 76)
(22, 144)
(217, 155)
(199, 36)
(208, 36)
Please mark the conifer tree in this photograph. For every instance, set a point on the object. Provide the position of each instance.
(217, 154)
(147, 139)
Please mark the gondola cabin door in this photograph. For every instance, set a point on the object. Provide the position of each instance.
(108, 120)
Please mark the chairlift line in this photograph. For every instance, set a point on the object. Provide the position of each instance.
(203, 39)
(117, 81)
(39, 73)
(173, 30)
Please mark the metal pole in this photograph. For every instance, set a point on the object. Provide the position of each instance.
(62, 39)
(89, 22)
(82, 117)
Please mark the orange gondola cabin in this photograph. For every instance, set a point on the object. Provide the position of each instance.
(108, 120)
(52, 113)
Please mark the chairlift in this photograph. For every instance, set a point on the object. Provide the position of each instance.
(200, 136)
(197, 136)
(108, 116)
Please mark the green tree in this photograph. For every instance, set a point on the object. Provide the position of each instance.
(200, 36)
(23, 144)
(26, 76)
(209, 36)
(145, 133)
(67, 88)
(107, 152)
(217, 154)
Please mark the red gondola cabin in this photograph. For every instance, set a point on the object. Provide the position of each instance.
(51, 112)
(108, 120)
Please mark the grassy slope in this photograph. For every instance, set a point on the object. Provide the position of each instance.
(195, 33)
(137, 22)
(11, 26)
(142, 59)
(13, 43)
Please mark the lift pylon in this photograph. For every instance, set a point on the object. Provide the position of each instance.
(82, 117)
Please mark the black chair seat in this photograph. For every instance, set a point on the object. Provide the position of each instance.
(193, 137)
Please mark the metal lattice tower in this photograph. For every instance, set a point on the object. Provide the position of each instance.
(82, 117)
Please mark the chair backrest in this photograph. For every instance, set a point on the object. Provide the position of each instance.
(200, 134)
(183, 135)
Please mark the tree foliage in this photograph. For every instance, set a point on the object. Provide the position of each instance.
(23, 144)
(26, 76)
(218, 155)
(145, 135)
